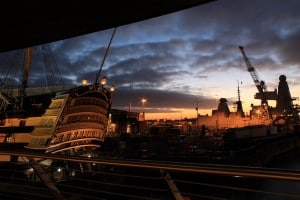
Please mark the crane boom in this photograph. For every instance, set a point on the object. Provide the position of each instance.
(260, 85)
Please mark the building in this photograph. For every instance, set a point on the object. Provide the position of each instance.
(122, 121)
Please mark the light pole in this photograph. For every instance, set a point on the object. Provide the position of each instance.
(197, 117)
(217, 120)
(111, 90)
(143, 101)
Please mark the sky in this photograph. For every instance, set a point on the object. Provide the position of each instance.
(186, 59)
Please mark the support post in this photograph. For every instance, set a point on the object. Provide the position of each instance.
(46, 180)
(166, 176)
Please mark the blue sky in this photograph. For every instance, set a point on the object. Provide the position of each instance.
(188, 56)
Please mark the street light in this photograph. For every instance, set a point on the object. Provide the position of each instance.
(143, 101)
(217, 120)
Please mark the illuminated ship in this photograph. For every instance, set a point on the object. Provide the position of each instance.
(71, 120)
(21, 106)
(75, 122)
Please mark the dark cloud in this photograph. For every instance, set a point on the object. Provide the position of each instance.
(289, 50)
(162, 57)
(157, 99)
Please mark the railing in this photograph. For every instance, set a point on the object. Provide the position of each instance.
(107, 178)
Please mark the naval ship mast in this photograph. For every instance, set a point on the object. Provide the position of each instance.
(239, 105)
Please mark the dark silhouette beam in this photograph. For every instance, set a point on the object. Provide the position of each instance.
(34, 22)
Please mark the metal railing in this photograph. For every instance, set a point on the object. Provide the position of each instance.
(103, 178)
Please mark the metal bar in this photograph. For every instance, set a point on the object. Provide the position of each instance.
(176, 193)
(245, 171)
(45, 179)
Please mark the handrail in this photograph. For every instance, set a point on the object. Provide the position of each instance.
(212, 169)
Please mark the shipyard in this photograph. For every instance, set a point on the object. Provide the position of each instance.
(170, 101)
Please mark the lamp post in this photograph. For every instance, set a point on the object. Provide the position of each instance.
(217, 120)
(197, 117)
(143, 101)
(110, 90)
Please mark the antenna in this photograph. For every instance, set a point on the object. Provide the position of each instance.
(239, 109)
(129, 109)
(239, 92)
(101, 66)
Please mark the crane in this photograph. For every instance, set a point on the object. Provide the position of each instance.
(261, 87)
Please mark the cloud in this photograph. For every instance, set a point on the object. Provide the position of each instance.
(157, 98)
(169, 59)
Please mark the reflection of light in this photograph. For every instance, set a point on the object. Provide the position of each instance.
(237, 176)
(59, 169)
(73, 173)
(128, 128)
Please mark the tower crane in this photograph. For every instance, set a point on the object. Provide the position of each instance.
(262, 94)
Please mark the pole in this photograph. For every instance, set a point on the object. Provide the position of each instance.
(106, 52)
(197, 112)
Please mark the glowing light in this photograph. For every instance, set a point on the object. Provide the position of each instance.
(84, 82)
(144, 100)
(103, 80)
(112, 88)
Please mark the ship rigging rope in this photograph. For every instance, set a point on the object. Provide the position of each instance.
(52, 72)
(11, 79)
(13, 76)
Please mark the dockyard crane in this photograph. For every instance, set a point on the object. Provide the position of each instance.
(261, 87)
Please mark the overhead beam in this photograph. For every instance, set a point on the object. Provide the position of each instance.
(29, 23)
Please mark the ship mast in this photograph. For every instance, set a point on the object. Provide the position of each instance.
(26, 71)
(106, 52)
(240, 110)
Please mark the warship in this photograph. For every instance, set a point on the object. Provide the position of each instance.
(226, 136)
(62, 119)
